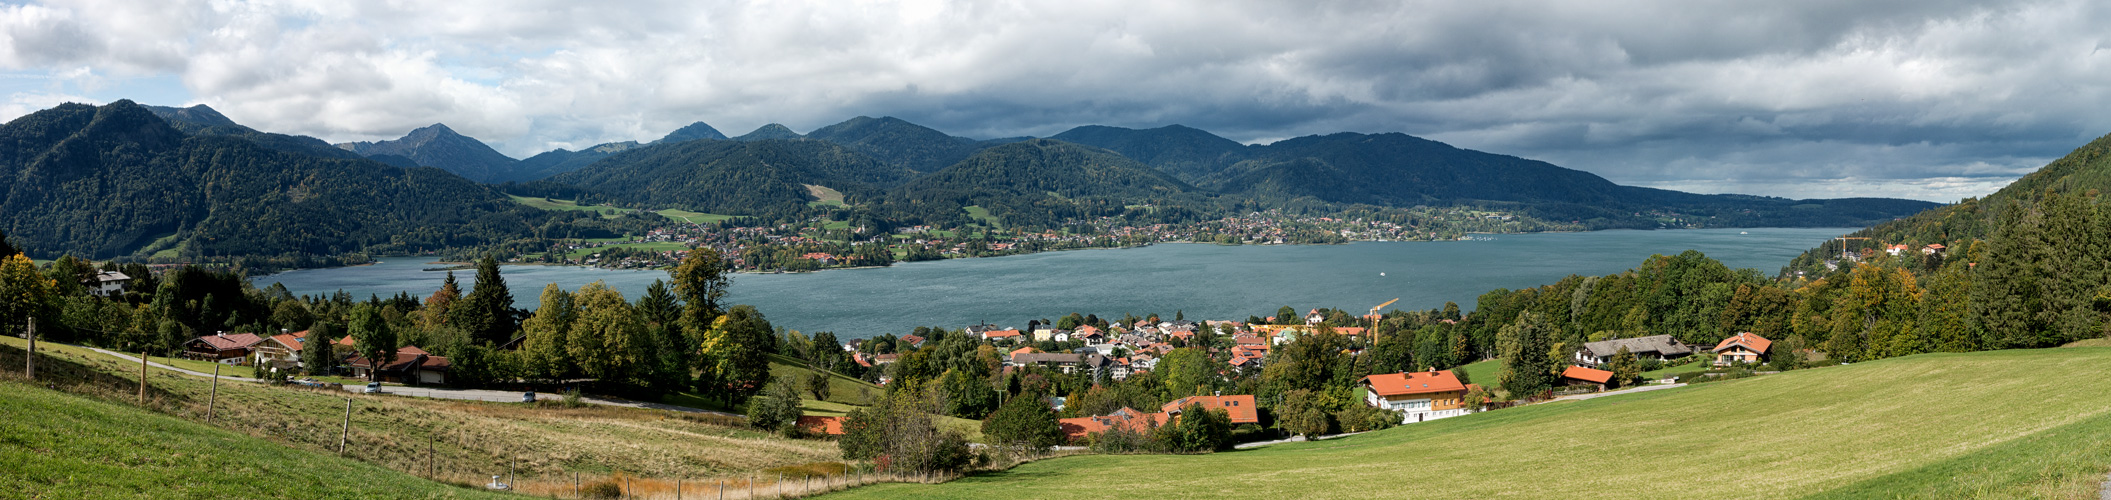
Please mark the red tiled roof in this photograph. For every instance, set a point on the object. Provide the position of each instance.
(231, 342)
(997, 334)
(1395, 384)
(815, 424)
(291, 342)
(1240, 406)
(1349, 330)
(1747, 339)
(1587, 374)
(410, 349)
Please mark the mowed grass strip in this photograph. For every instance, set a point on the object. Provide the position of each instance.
(59, 445)
(2003, 424)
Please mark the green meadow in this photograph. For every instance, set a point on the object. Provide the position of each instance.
(2000, 424)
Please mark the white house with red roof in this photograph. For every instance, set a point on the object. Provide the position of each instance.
(1419, 396)
(1745, 347)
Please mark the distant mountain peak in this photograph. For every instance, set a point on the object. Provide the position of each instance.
(691, 132)
(438, 146)
(771, 131)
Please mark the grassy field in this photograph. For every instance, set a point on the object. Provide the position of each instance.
(982, 215)
(1483, 372)
(1695, 364)
(60, 445)
(451, 440)
(2004, 424)
(692, 217)
(2090, 343)
(841, 388)
(607, 212)
(824, 196)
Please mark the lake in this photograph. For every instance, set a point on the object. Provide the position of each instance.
(1204, 281)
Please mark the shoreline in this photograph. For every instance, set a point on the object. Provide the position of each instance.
(471, 265)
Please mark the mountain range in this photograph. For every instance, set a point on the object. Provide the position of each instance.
(887, 167)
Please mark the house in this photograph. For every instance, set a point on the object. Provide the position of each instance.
(1314, 317)
(1060, 361)
(221, 346)
(885, 358)
(1349, 331)
(1745, 347)
(1089, 334)
(108, 284)
(1578, 374)
(1000, 335)
(1044, 334)
(821, 426)
(1660, 347)
(1240, 407)
(1080, 429)
(909, 341)
(411, 366)
(282, 350)
(1933, 249)
(1895, 250)
(1419, 396)
(1025, 350)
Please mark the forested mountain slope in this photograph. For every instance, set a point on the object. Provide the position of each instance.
(440, 147)
(899, 143)
(116, 180)
(734, 177)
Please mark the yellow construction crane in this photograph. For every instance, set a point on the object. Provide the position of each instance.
(1374, 309)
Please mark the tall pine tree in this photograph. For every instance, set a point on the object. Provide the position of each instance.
(487, 313)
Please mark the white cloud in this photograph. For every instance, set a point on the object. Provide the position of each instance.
(1715, 96)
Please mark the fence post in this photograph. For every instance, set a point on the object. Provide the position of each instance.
(215, 396)
(142, 378)
(347, 436)
(721, 490)
(677, 488)
(29, 358)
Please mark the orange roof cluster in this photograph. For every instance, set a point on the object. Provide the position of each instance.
(1748, 340)
(1240, 407)
(1396, 384)
(1000, 334)
(1594, 376)
(815, 424)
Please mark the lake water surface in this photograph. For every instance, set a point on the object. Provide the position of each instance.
(1205, 281)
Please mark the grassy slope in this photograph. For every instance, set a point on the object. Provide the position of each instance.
(2005, 424)
(468, 437)
(59, 445)
(1483, 372)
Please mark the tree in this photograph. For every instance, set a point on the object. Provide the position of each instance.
(1188, 371)
(1626, 369)
(437, 305)
(967, 395)
(7, 250)
(607, 342)
(1364, 418)
(487, 313)
(776, 408)
(733, 353)
(319, 352)
(546, 353)
(702, 282)
(817, 383)
(1026, 422)
(1287, 316)
(1302, 413)
(1525, 344)
(1197, 430)
(373, 338)
(24, 293)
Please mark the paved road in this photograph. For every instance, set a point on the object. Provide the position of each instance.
(1291, 439)
(135, 359)
(1646, 388)
(441, 393)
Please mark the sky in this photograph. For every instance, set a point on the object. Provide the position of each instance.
(1926, 99)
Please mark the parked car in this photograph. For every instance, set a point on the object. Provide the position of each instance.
(373, 388)
(527, 397)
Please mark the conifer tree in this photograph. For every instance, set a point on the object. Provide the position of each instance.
(487, 313)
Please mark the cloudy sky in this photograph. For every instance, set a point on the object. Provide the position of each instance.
(1926, 99)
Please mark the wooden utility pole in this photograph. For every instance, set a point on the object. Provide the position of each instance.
(142, 378)
(214, 397)
(29, 360)
(342, 439)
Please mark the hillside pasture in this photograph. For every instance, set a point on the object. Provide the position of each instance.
(2001, 424)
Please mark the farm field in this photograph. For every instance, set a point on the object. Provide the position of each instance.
(455, 441)
(1483, 372)
(692, 217)
(2000, 424)
(607, 212)
(62, 445)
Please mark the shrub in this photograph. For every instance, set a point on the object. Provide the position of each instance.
(572, 399)
(603, 489)
(776, 408)
(1364, 418)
